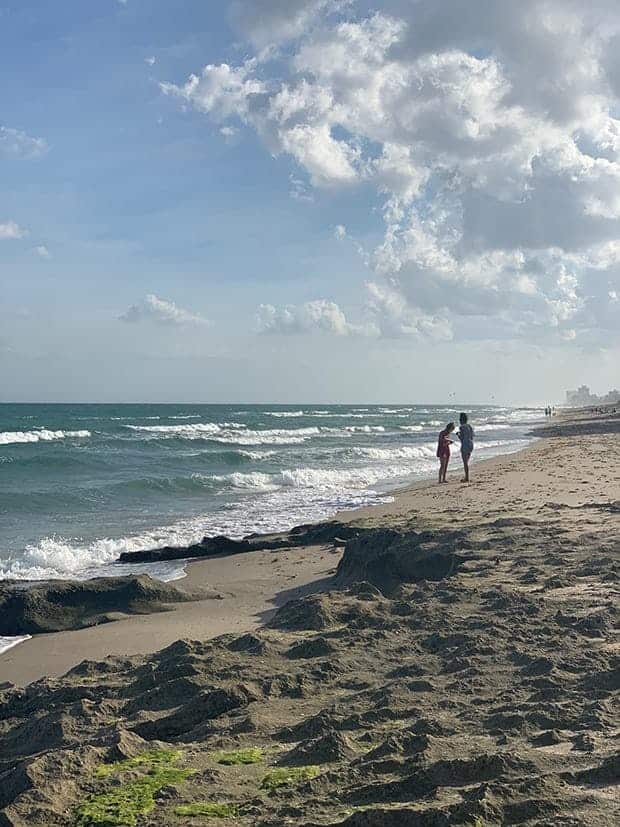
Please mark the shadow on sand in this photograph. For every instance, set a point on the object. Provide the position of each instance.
(324, 584)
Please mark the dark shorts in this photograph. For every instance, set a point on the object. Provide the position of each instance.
(466, 452)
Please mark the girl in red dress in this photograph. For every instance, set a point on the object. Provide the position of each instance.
(443, 450)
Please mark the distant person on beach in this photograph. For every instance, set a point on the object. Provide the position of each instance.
(466, 435)
(443, 450)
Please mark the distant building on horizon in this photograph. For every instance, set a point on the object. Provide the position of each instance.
(582, 397)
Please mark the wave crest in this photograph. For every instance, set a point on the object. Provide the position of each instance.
(42, 435)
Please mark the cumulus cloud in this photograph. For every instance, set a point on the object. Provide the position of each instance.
(17, 145)
(319, 315)
(221, 90)
(490, 131)
(11, 230)
(393, 317)
(160, 311)
(42, 251)
(386, 313)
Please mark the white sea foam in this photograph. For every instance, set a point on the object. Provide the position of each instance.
(505, 445)
(230, 433)
(321, 479)
(7, 643)
(368, 415)
(252, 481)
(488, 427)
(524, 415)
(365, 429)
(42, 435)
(57, 557)
(198, 429)
(286, 414)
(257, 455)
(402, 452)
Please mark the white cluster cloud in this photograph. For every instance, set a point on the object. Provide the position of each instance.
(154, 309)
(489, 129)
(386, 314)
(17, 145)
(10, 230)
(319, 315)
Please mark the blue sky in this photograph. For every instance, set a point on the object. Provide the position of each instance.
(132, 192)
(114, 189)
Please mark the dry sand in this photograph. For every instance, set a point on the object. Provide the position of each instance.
(485, 693)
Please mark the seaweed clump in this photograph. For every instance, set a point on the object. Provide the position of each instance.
(287, 776)
(250, 755)
(121, 805)
(207, 810)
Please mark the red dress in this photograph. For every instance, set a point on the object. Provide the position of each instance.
(443, 446)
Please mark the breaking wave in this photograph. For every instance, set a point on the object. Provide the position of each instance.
(43, 435)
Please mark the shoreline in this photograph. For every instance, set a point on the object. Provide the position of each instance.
(121, 568)
(254, 598)
(52, 654)
(236, 483)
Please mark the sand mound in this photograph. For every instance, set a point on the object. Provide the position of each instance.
(59, 605)
(387, 558)
(332, 747)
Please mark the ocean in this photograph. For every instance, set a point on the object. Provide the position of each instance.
(79, 484)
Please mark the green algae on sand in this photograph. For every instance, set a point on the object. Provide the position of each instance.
(206, 809)
(151, 760)
(286, 776)
(249, 755)
(121, 805)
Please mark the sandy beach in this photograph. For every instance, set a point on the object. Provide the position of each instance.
(556, 473)
(480, 691)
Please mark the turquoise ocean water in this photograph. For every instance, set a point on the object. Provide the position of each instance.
(79, 484)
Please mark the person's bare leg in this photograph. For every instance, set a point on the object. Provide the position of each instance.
(443, 470)
(466, 467)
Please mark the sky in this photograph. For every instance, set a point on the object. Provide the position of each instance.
(309, 200)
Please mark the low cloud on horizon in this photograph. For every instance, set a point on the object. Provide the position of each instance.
(160, 311)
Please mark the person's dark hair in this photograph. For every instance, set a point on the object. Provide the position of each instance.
(463, 418)
(450, 426)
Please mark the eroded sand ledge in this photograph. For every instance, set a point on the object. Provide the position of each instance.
(471, 675)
